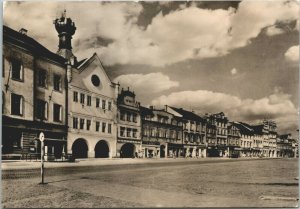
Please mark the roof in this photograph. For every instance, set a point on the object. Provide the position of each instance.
(244, 128)
(258, 129)
(22, 40)
(285, 136)
(188, 115)
(146, 111)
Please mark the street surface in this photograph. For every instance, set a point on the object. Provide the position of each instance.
(154, 183)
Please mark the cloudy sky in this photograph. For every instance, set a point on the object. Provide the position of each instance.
(241, 58)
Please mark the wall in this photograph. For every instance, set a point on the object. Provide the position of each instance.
(25, 87)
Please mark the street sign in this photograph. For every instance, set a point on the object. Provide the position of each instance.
(42, 137)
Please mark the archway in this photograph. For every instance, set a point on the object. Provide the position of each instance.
(127, 150)
(101, 150)
(80, 149)
(162, 151)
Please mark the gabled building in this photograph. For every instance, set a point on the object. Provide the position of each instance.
(34, 92)
(129, 143)
(161, 133)
(270, 135)
(234, 136)
(217, 124)
(92, 100)
(194, 132)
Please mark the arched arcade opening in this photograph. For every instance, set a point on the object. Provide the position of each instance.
(80, 148)
(101, 149)
(127, 150)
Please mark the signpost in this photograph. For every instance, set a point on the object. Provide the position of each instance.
(42, 138)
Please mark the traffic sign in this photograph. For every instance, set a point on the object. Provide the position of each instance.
(42, 137)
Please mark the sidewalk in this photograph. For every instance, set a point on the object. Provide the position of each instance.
(22, 164)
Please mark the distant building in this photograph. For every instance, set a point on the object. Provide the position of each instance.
(246, 140)
(194, 132)
(34, 95)
(270, 134)
(234, 136)
(218, 146)
(91, 100)
(285, 146)
(129, 143)
(161, 133)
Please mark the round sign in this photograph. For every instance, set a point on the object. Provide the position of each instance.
(42, 136)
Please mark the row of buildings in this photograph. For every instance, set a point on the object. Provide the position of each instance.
(83, 113)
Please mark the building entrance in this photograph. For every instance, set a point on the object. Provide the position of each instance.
(127, 151)
(80, 149)
(101, 150)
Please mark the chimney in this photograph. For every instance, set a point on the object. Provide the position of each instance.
(23, 31)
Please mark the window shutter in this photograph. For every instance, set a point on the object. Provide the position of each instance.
(21, 105)
(21, 72)
(60, 114)
(46, 110)
(10, 69)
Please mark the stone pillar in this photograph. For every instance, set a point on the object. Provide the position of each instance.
(91, 154)
(166, 150)
(204, 152)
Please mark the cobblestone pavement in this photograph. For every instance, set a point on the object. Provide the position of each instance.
(211, 183)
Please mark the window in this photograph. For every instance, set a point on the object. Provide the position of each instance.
(57, 82)
(97, 126)
(75, 123)
(42, 78)
(145, 131)
(57, 113)
(128, 132)
(89, 100)
(134, 118)
(153, 132)
(128, 117)
(3, 66)
(16, 104)
(122, 131)
(3, 102)
(81, 98)
(103, 127)
(122, 115)
(103, 104)
(109, 128)
(16, 69)
(41, 109)
(88, 124)
(97, 102)
(95, 80)
(81, 123)
(134, 135)
(75, 96)
(109, 105)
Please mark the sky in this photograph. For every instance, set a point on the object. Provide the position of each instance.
(241, 58)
